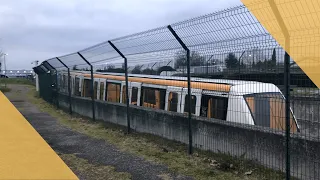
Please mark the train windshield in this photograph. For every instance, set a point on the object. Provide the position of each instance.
(268, 110)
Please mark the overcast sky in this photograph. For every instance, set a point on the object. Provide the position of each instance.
(40, 29)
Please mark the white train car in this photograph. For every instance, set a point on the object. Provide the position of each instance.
(246, 102)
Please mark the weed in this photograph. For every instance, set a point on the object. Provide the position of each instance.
(4, 89)
(86, 170)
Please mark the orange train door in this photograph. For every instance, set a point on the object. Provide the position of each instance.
(272, 113)
(124, 95)
(209, 113)
(277, 115)
(113, 94)
(95, 89)
(86, 88)
(157, 95)
(101, 90)
(169, 100)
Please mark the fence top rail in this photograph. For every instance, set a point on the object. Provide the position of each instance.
(231, 29)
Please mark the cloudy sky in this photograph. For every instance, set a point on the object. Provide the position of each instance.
(40, 29)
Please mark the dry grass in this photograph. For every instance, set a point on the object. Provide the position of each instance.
(85, 170)
(16, 81)
(4, 89)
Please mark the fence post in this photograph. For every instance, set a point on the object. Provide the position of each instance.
(46, 66)
(39, 71)
(127, 84)
(189, 85)
(49, 65)
(286, 81)
(56, 79)
(69, 85)
(58, 105)
(92, 86)
(287, 111)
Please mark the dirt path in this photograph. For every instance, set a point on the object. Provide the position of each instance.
(97, 152)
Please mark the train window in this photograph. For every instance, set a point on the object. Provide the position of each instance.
(124, 95)
(95, 89)
(101, 90)
(214, 107)
(173, 102)
(76, 87)
(193, 104)
(154, 98)
(268, 110)
(86, 88)
(134, 97)
(149, 96)
(204, 106)
(113, 92)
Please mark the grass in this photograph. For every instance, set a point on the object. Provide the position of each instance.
(16, 81)
(4, 89)
(86, 170)
(200, 165)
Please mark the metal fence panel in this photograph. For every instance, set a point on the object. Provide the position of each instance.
(218, 82)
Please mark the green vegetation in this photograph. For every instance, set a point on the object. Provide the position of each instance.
(86, 170)
(231, 61)
(200, 165)
(195, 59)
(16, 81)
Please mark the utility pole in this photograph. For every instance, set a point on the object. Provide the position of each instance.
(5, 65)
(0, 62)
(35, 63)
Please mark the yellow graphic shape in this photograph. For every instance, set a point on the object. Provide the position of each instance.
(295, 25)
(23, 152)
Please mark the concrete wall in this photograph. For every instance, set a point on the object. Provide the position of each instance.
(307, 112)
(256, 143)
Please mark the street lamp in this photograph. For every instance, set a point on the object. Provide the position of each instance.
(5, 66)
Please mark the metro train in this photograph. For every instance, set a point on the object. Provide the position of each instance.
(247, 102)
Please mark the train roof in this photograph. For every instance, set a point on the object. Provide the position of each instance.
(193, 79)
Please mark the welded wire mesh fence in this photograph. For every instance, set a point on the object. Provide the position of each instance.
(218, 82)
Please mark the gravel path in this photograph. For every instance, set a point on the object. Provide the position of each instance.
(67, 141)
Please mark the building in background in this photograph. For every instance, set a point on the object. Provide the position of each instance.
(16, 73)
